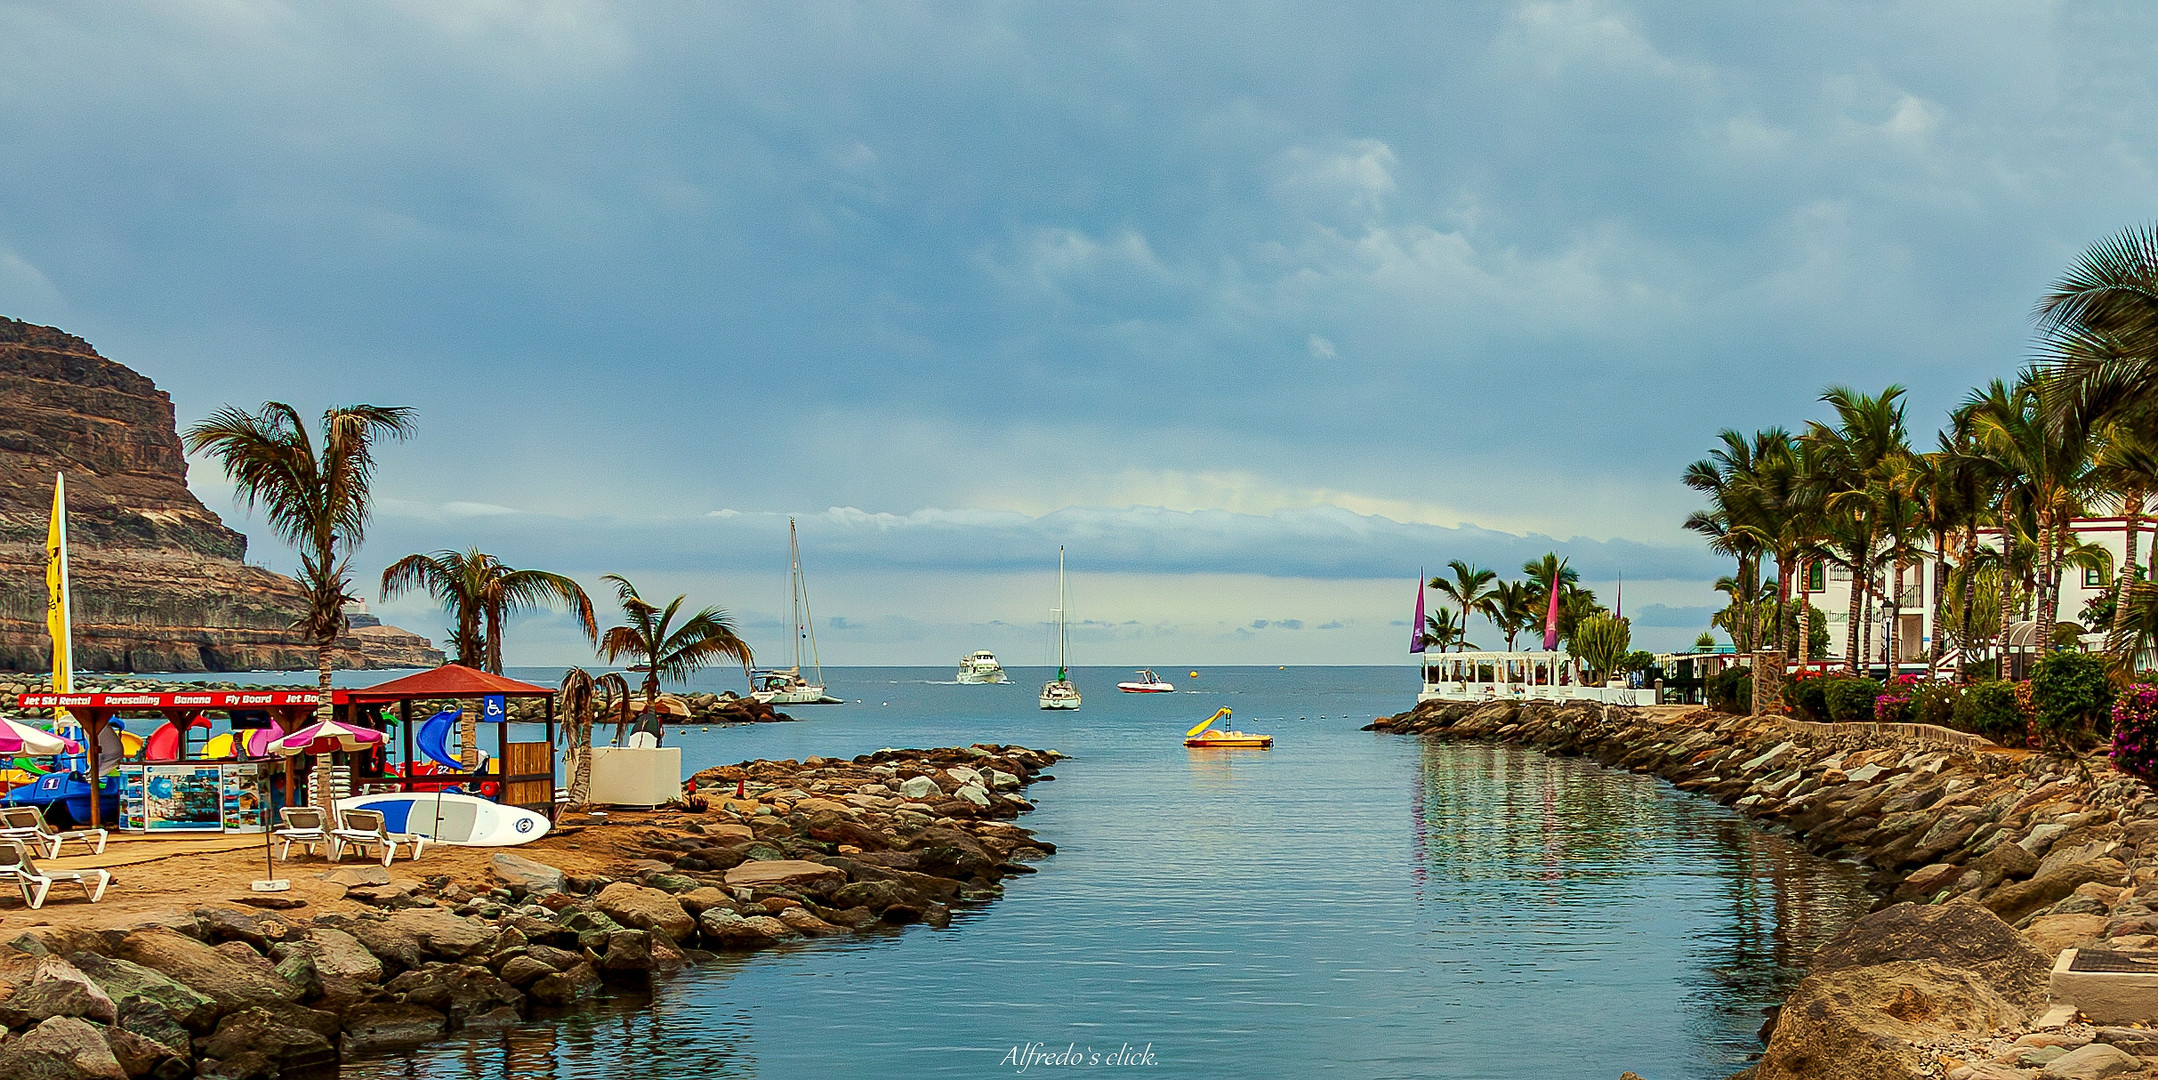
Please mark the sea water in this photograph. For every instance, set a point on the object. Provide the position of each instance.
(1346, 904)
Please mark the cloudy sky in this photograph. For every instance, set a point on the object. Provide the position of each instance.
(1256, 308)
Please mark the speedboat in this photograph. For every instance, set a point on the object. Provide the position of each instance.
(1207, 735)
(981, 667)
(1147, 683)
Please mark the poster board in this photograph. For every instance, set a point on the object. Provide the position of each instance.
(183, 798)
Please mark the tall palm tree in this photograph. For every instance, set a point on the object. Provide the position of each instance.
(1470, 590)
(2047, 456)
(1737, 522)
(481, 592)
(2098, 330)
(1860, 464)
(658, 647)
(2127, 469)
(317, 495)
(1513, 609)
(1442, 631)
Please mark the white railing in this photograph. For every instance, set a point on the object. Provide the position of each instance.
(1492, 691)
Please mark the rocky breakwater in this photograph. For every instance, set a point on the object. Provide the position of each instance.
(160, 584)
(1988, 863)
(825, 848)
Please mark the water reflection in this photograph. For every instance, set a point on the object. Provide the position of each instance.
(1506, 834)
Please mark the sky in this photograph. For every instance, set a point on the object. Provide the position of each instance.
(1259, 310)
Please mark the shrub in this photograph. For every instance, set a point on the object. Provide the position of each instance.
(1989, 708)
(1936, 704)
(1731, 691)
(1851, 700)
(1808, 693)
(2070, 697)
(2135, 732)
(1898, 703)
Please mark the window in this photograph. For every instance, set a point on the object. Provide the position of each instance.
(2093, 578)
(1816, 577)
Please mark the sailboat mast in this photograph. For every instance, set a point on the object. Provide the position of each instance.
(1061, 600)
(805, 624)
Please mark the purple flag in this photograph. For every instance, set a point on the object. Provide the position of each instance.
(1416, 628)
(1551, 615)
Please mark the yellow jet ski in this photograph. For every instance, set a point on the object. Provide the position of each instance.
(1207, 735)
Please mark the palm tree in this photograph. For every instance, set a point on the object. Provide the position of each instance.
(317, 496)
(2098, 330)
(480, 589)
(1542, 574)
(2046, 455)
(1513, 609)
(2127, 468)
(1470, 590)
(662, 649)
(1442, 632)
(1860, 465)
(582, 699)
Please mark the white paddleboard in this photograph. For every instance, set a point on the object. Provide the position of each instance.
(462, 820)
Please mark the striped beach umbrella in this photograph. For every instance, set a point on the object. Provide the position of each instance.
(323, 738)
(17, 737)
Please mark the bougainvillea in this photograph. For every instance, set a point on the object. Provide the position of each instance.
(2135, 732)
(1893, 704)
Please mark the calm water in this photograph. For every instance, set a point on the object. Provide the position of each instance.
(1346, 904)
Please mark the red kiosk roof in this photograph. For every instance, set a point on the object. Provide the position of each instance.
(185, 699)
(447, 681)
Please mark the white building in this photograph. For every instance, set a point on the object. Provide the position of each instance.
(1829, 589)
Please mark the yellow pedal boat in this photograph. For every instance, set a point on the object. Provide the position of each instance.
(1207, 735)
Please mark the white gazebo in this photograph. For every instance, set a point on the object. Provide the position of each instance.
(1518, 676)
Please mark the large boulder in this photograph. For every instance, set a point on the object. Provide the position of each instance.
(532, 876)
(2015, 901)
(646, 909)
(458, 991)
(441, 933)
(287, 1038)
(565, 986)
(340, 955)
(62, 1048)
(1959, 935)
(126, 981)
(1868, 1023)
(788, 873)
(57, 989)
(381, 1024)
(951, 853)
(226, 980)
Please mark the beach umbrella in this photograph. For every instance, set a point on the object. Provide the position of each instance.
(17, 737)
(323, 738)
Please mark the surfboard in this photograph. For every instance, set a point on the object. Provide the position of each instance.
(462, 820)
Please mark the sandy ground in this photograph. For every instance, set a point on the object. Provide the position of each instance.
(154, 878)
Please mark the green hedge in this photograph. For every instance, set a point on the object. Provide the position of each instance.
(1850, 701)
(1731, 691)
(1989, 709)
(2071, 697)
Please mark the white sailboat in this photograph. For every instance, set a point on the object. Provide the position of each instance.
(787, 686)
(1059, 693)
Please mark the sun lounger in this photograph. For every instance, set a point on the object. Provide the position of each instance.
(364, 829)
(20, 866)
(301, 825)
(27, 823)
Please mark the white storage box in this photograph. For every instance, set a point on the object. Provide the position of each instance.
(635, 776)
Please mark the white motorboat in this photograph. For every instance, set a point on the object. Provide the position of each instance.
(1059, 693)
(980, 668)
(788, 686)
(1147, 683)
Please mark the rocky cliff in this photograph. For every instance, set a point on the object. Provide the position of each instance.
(159, 583)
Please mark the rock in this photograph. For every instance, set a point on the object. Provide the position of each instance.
(566, 986)
(1002, 781)
(2098, 1061)
(455, 990)
(151, 1022)
(125, 982)
(2006, 861)
(782, 872)
(802, 921)
(2050, 934)
(353, 877)
(948, 852)
(139, 1056)
(918, 788)
(973, 793)
(441, 933)
(520, 872)
(727, 833)
(697, 900)
(1958, 935)
(272, 1034)
(340, 954)
(230, 983)
(1927, 880)
(386, 942)
(1867, 1021)
(523, 971)
(2142, 1042)
(2013, 902)
(647, 909)
(382, 1024)
(628, 955)
(57, 988)
(62, 1048)
(724, 929)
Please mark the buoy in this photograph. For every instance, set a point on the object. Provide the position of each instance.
(1194, 674)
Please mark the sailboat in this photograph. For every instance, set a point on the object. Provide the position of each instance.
(786, 686)
(1059, 693)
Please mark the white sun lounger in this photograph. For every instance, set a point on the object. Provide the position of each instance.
(18, 865)
(301, 825)
(27, 823)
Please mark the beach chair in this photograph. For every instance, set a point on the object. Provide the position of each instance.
(364, 829)
(27, 823)
(300, 825)
(19, 866)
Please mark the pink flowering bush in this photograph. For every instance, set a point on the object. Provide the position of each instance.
(1895, 703)
(2135, 732)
